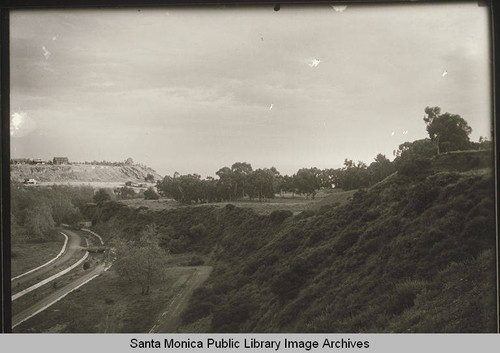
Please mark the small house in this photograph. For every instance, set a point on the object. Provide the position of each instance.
(60, 160)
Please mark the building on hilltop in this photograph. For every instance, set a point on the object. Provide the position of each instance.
(60, 160)
(27, 161)
(20, 161)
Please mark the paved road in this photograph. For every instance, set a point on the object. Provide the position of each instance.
(56, 295)
(170, 319)
(73, 246)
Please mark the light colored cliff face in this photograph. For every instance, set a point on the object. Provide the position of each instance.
(81, 173)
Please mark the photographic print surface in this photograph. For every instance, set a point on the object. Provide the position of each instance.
(213, 169)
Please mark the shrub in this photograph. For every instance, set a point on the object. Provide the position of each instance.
(196, 261)
(413, 166)
(404, 296)
(279, 216)
(101, 195)
(197, 231)
(228, 318)
(200, 305)
(150, 194)
(306, 214)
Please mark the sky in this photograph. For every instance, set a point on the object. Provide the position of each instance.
(195, 89)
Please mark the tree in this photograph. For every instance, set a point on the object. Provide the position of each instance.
(150, 194)
(380, 168)
(125, 193)
(261, 184)
(150, 178)
(142, 262)
(353, 175)
(240, 173)
(288, 185)
(306, 181)
(225, 184)
(38, 222)
(101, 195)
(449, 132)
(413, 158)
(483, 144)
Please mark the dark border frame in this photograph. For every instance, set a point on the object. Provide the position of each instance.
(5, 323)
(5, 265)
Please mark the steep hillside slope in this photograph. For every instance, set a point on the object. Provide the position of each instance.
(408, 255)
(82, 172)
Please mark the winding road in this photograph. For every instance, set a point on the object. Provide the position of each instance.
(61, 264)
(56, 296)
(73, 246)
(168, 321)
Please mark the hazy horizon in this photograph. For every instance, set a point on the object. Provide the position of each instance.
(193, 90)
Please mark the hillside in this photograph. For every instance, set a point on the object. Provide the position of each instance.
(81, 173)
(410, 254)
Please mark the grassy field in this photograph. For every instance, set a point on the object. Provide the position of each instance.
(107, 304)
(26, 256)
(294, 203)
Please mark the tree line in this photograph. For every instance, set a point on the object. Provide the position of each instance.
(35, 212)
(447, 133)
(240, 181)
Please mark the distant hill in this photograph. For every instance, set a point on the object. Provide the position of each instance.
(81, 172)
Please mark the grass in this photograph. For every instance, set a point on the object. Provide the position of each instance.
(293, 203)
(26, 256)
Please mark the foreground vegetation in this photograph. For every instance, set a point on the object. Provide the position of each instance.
(36, 211)
(412, 250)
(23, 258)
(107, 304)
(409, 255)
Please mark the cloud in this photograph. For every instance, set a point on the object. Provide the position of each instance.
(21, 124)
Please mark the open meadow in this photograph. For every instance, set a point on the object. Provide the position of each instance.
(289, 202)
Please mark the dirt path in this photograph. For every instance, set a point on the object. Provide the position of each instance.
(190, 279)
